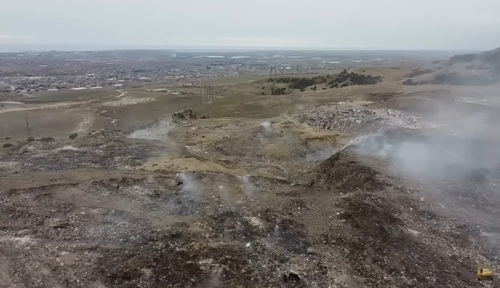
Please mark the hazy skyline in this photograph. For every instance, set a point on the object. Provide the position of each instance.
(358, 24)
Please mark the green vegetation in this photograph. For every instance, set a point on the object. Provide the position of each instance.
(278, 91)
(334, 81)
(300, 83)
(345, 79)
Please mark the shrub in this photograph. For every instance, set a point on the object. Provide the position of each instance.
(354, 79)
(418, 72)
(301, 83)
(409, 82)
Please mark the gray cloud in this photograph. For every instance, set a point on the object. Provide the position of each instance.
(361, 24)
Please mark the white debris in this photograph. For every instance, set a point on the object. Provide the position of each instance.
(19, 240)
(128, 101)
(413, 232)
(67, 148)
(256, 222)
(11, 103)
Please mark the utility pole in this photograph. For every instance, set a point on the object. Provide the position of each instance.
(27, 125)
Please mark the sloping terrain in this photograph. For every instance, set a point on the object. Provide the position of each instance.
(468, 69)
(347, 187)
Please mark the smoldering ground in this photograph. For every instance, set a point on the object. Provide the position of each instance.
(435, 155)
(455, 166)
(157, 131)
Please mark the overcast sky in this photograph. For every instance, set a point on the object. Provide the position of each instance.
(346, 24)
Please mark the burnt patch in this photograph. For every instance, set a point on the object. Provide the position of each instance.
(347, 174)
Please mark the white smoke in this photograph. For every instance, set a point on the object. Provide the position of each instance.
(321, 154)
(189, 184)
(266, 130)
(187, 199)
(216, 278)
(266, 126)
(157, 131)
(247, 186)
(441, 156)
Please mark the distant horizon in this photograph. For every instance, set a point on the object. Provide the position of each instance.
(215, 48)
(390, 25)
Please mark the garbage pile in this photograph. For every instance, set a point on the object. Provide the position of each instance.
(402, 119)
(339, 118)
(355, 119)
(128, 101)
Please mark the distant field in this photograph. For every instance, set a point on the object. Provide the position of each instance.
(69, 95)
(234, 97)
(42, 122)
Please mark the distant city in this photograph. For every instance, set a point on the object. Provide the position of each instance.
(30, 71)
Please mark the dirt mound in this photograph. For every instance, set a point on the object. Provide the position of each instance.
(468, 69)
(263, 142)
(343, 171)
